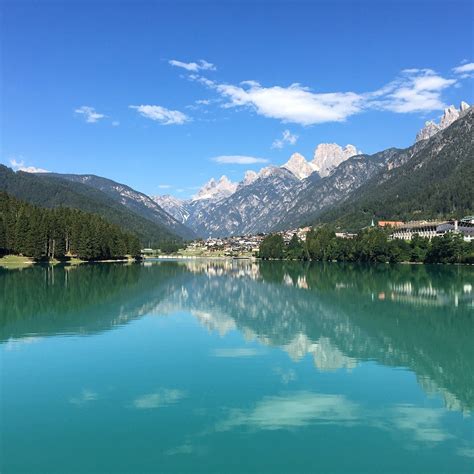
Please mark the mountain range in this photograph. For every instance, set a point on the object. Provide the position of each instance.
(431, 178)
(342, 178)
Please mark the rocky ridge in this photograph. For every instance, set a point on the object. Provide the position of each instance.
(450, 115)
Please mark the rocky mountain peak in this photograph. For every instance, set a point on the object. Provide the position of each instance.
(173, 206)
(298, 165)
(268, 171)
(249, 177)
(216, 189)
(329, 156)
(450, 115)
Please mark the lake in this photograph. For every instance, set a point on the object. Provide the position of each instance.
(237, 367)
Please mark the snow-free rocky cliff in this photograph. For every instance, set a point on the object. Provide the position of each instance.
(327, 157)
(450, 114)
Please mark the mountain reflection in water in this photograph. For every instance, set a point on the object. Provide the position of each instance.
(411, 316)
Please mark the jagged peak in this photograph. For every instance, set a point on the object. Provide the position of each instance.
(271, 171)
(450, 115)
(299, 166)
(249, 177)
(216, 189)
(328, 156)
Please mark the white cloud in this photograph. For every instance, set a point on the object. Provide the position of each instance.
(236, 352)
(203, 102)
(89, 113)
(286, 138)
(161, 114)
(416, 90)
(115, 123)
(161, 398)
(84, 397)
(20, 166)
(164, 186)
(294, 410)
(15, 344)
(469, 67)
(465, 70)
(425, 424)
(295, 104)
(200, 65)
(238, 159)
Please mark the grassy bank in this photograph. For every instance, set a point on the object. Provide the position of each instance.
(15, 261)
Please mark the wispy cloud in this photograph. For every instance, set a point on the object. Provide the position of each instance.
(115, 123)
(19, 165)
(161, 114)
(294, 410)
(424, 423)
(89, 113)
(415, 90)
(298, 409)
(84, 397)
(236, 352)
(200, 65)
(238, 159)
(158, 399)
(295, 103)
(287, 138)
(465, 70)
(15, 344)
(164, 186)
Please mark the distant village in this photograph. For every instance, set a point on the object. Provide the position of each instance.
(248, 245)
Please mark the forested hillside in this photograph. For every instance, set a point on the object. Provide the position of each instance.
(437, 182)
(53, 233)
(50, 192)
(133, 200)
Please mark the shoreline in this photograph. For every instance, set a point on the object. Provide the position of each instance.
(11, 262)
(18, 262)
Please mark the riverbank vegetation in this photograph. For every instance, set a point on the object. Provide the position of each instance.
(371, 245)
(46, 234)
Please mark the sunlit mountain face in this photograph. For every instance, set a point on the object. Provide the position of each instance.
(237, 352)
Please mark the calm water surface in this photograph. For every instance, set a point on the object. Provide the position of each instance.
(224, 367)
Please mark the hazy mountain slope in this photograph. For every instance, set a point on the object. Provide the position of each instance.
(135, 201)
(437, 181)
(253, 208)
(174, 206)
(46, 191)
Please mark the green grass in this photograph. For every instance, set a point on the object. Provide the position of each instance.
(15, 261)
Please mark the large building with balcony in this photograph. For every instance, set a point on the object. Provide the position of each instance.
(430, 229)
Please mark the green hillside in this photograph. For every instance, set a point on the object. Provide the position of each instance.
(42, 233)
(50, 192)
(437, 182)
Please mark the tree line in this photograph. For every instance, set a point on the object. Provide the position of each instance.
(42, 233)
(370, 245)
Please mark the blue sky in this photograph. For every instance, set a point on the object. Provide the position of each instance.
(153, 93)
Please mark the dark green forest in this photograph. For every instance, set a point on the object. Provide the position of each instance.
(52, 192)
(370, 245)
(42, 233)
(437, 182)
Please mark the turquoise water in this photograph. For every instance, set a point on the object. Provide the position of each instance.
(224, 367)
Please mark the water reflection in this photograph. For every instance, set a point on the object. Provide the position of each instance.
(417, 317)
